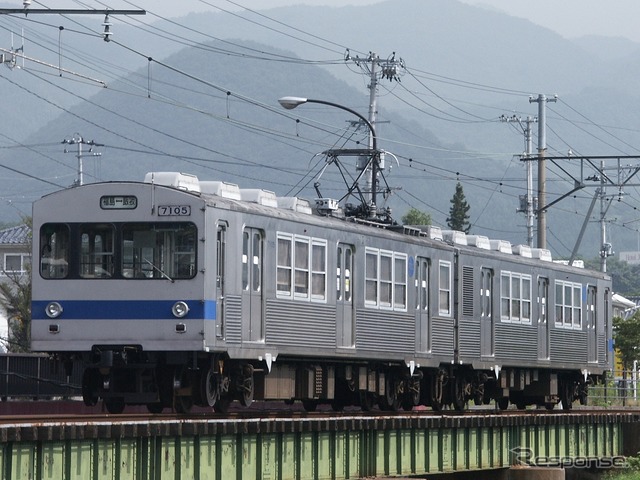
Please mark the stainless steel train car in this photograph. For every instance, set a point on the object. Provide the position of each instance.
(178, 292)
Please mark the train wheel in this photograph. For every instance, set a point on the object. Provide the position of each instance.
(155, 407)
(209, 391)
(566, 394)
(246, 386)
(549, 405)
(390, 401)
(458, 394)
(503, 403)
(182, 399)
(367, 401)
(437, 387)
(412, 397)
(309, 405)
(222, 405)
(114, 405)
(583, 393)
(90, 386)
(337, 405)
(183, 404)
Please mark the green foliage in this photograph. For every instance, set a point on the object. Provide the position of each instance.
(625, 277)
(416, 217)
(459, 212)
(15, 299)
(634, 462)
(626, 334)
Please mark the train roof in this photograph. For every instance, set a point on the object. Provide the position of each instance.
(326, 212)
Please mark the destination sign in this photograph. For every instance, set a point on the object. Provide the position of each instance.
(118, 202)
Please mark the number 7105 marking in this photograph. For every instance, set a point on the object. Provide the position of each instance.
(174, 210)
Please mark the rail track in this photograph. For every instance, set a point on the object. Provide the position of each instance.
(65, 411)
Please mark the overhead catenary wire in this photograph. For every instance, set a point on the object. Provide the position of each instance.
(443, 79)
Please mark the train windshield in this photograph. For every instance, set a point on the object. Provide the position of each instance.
(129, 250)
(159, 250)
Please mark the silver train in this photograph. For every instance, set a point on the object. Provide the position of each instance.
(177, 292)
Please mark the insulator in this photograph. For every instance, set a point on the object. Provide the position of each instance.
(26, 3)
(107, 28)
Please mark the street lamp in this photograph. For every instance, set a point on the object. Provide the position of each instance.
(292, 102)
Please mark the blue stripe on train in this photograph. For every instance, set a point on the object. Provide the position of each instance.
(124, 309)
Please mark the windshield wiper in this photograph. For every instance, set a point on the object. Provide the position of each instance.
(159, 271)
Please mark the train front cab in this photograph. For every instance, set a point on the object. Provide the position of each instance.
(118, 282)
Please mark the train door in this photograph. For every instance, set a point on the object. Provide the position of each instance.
(543, 318)
(592, 336)
(221, 258)
(422, 304)
(487, 343)
(344, 296)
(252, 259)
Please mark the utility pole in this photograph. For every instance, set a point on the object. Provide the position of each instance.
(542, 173)
(79, 141)
(391, 69)
(606, 249)
(528, 203)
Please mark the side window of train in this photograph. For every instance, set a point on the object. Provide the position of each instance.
(568, 304)
(301, 271)
(444, 288)
(515, 297)
(97, 251)
(385, 279)
(54, 250)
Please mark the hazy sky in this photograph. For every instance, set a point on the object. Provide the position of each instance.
(570, 18)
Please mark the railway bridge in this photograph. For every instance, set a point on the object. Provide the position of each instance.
(330, 446)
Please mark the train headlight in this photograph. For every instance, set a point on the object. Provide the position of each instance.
(53, 310)
(180, 309)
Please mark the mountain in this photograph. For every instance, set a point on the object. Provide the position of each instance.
(466, 66)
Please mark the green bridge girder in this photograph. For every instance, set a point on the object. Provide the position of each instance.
(303, 448)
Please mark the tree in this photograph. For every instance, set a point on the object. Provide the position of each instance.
(459, 212)
(15, 299)
(626, 335)
(416, 217)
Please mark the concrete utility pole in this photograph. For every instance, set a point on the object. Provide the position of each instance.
(79, 141)
(391, 69)
(527, 204)
(606, 249)
(542, 173)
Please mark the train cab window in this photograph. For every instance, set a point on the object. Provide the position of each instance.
(159, 250)
(96, 251)
(54, 251)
